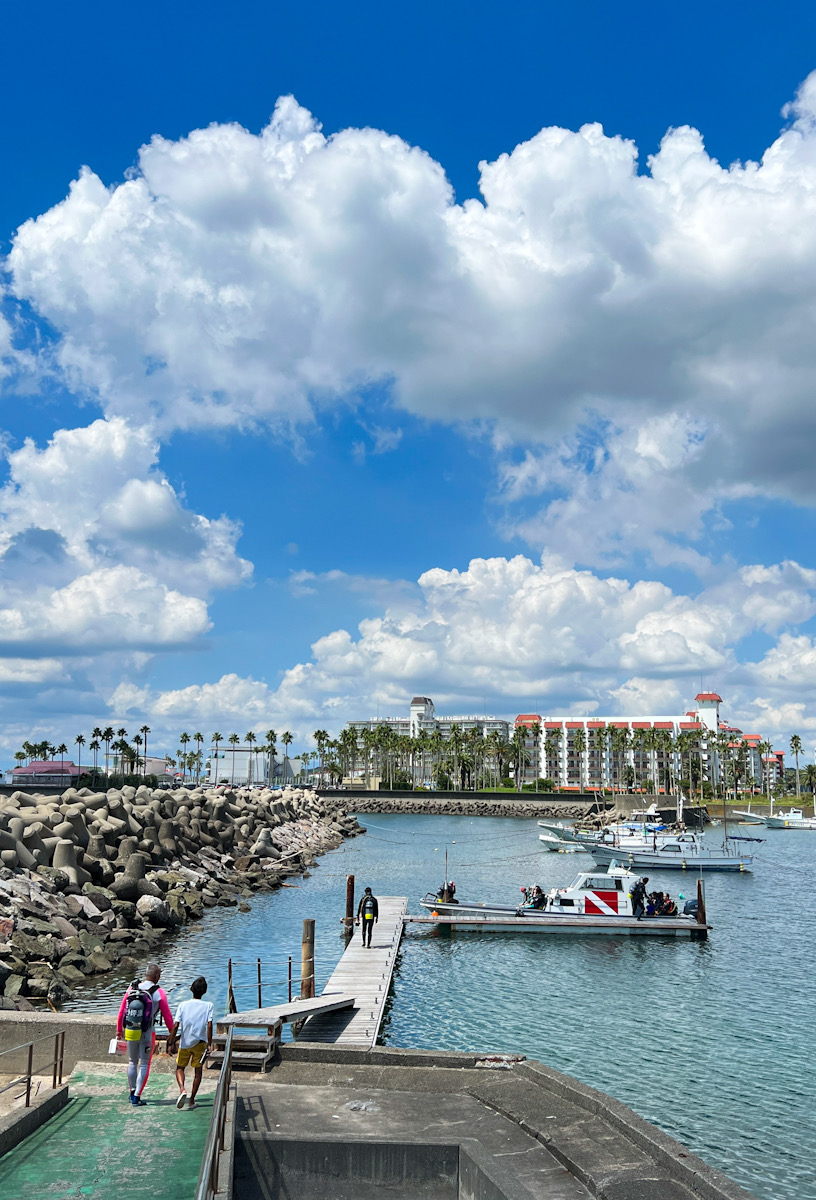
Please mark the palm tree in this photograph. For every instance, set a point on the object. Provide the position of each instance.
(137, 742)
(216, 739)
(107, 738)
(552, 744)
(270, 737)
(368, 738)
(184, 741)
(233, 740)
(250, 740)
(198, 738)
(765, 749)
(61, 751)
(79, 742)
(579, 743)
(286, 738)
(144, 731)
(93, 745)
(810, 780)
(321, 737)
(796, 750)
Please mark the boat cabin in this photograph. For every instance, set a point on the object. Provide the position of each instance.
(595, 893)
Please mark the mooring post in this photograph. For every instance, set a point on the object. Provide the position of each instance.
(307, 981)
(349, 919)
(701, 908)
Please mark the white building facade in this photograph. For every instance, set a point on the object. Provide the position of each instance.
(422, 718)
(641, 752)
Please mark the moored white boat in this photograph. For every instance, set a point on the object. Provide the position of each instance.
(557, 845)
(681, 852)
(794, 819)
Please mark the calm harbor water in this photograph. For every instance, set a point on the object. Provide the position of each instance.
(711, 1041)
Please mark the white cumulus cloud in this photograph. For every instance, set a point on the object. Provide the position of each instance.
(237, 278)
(512, 633)
(92, 541)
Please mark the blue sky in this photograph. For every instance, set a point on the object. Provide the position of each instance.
(302, 418)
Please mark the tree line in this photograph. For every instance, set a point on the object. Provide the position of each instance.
(609, 758)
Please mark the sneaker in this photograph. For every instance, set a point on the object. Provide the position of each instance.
(137, 1101)
(182, 1100)
(192, 1104)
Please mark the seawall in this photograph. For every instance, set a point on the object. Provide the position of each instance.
(93, 880)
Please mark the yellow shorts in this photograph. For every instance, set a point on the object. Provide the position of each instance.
(191, 1056)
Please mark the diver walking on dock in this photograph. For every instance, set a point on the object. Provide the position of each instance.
(368, 913)
(141, 1004)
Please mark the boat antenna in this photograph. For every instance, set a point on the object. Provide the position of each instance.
(446, 868)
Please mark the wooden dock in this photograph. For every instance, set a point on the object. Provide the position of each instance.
(364, 973)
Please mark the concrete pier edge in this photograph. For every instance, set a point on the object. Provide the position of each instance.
(18, 1124)
(395, 1069)
(667, 1152)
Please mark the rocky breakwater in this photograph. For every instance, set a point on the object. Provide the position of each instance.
(437, 804)
(90, 881)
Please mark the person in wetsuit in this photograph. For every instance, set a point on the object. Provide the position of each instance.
(368, 913)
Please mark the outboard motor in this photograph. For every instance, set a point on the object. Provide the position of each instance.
(690, 908)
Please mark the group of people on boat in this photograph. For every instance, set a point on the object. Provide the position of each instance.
(651, 904)
(660, 904)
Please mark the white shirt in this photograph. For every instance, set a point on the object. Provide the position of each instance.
(192, 1017)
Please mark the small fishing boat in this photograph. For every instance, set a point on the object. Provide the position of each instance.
(557, 845)
(680, 852)
(595, 902)
(749, 818)
(794, 819)
(639, 826)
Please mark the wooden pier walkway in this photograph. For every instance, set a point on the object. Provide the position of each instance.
(364, 973)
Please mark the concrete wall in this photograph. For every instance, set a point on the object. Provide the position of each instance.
(86, 1037)
(543, 797)
(268, 1168)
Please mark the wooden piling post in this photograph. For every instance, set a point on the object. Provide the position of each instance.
(349, 919)
(701, 908)
(307, 980)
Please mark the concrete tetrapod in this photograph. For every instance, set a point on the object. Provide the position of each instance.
(65, 860)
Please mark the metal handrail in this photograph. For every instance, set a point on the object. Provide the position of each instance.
(56, 1063)
(208, 1176)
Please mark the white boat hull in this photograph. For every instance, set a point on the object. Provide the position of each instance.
(491, 922)
(790, 822)
(557, 846)
(657, 861)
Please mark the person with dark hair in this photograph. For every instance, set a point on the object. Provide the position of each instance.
(368, 913)
(193, 1032)
(639, 896)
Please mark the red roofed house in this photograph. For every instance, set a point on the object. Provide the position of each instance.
(45, 772)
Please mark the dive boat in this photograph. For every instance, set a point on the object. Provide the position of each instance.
(595, 902)
(680, 852)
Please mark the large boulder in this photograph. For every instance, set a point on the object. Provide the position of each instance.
(156, 912)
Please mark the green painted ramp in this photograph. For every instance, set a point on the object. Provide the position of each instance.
(100, 1146)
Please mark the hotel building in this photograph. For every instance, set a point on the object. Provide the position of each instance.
(592, 753)
(422, 718)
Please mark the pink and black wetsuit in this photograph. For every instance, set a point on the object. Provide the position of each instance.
(140, 1054)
